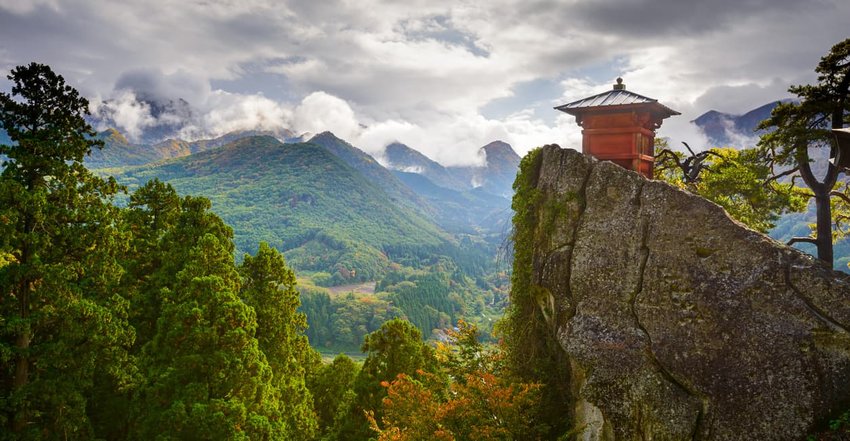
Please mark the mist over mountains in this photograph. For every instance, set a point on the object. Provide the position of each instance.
(328, 205)
(729, 130)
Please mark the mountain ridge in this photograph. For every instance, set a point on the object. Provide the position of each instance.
(299, 198)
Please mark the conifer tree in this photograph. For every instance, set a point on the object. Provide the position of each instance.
(206, 377)
(269, 287)
(396, 348)
(60, 318)
(798, 127)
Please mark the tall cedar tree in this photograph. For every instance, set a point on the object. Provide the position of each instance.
(269, 287)
(205, 376)
(332, 387)
(802, 125)
(60, 319)
(163, 229)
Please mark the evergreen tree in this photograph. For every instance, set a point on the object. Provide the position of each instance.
(60, 318)
(206, 377)
(269, 287)
(332, 385)
(396, 348)
(153, 212)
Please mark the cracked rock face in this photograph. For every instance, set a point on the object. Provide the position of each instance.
(680, 323)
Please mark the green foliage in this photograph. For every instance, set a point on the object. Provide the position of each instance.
(333, 389)
(532, 353)
(205, 375)
(427, 301)
(740, 182)
(165, 228)
(61, 320)
(269, 287)
(396, 348)
(341, 322)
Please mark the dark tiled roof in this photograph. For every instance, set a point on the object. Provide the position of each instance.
(615, 97)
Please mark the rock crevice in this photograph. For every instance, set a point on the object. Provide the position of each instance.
(678, 322)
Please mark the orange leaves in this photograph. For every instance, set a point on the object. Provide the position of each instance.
(483, 407)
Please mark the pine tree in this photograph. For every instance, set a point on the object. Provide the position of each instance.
(269, 287)
(60, 318)
(206, 377)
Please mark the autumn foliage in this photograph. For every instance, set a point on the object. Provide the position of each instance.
(469, 399)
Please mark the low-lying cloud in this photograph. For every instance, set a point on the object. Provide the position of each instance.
(142, 108)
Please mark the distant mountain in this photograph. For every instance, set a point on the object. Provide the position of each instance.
(300, 198)
(372, 170)
(724, 129)
(119, 152)
(282, 135)
(498, 174)
(461, 211)
(402, 158)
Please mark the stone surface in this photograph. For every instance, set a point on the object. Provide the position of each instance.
(680, 323)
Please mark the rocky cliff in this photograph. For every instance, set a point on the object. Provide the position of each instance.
(677, 322)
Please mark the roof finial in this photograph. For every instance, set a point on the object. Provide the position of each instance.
(619, 85)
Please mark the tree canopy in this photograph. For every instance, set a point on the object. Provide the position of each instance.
(61, 318)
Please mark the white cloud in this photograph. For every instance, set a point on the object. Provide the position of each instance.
(420, 72)
(125, 112)
(227, 112)
(320, 111)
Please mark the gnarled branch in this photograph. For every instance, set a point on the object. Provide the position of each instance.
(794, 240)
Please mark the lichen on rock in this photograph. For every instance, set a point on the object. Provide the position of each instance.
(677, 322)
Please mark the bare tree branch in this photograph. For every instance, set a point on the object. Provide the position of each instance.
(780, 175)
(794, 240)
(840, 195)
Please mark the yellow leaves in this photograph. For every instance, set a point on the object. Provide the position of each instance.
(7, 258)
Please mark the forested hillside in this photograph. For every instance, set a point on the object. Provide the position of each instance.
(302, 200)
(429, 253)
(126, 316)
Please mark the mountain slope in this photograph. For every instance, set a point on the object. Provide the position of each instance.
(469, 211)
(370, 168)
(301, 199)
(119, 152)
(405, 159)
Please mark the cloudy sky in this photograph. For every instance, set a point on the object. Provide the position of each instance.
(444, 77)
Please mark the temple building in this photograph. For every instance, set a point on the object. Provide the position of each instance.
(619, 126)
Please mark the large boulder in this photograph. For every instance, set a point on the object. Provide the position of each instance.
(677, 321)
